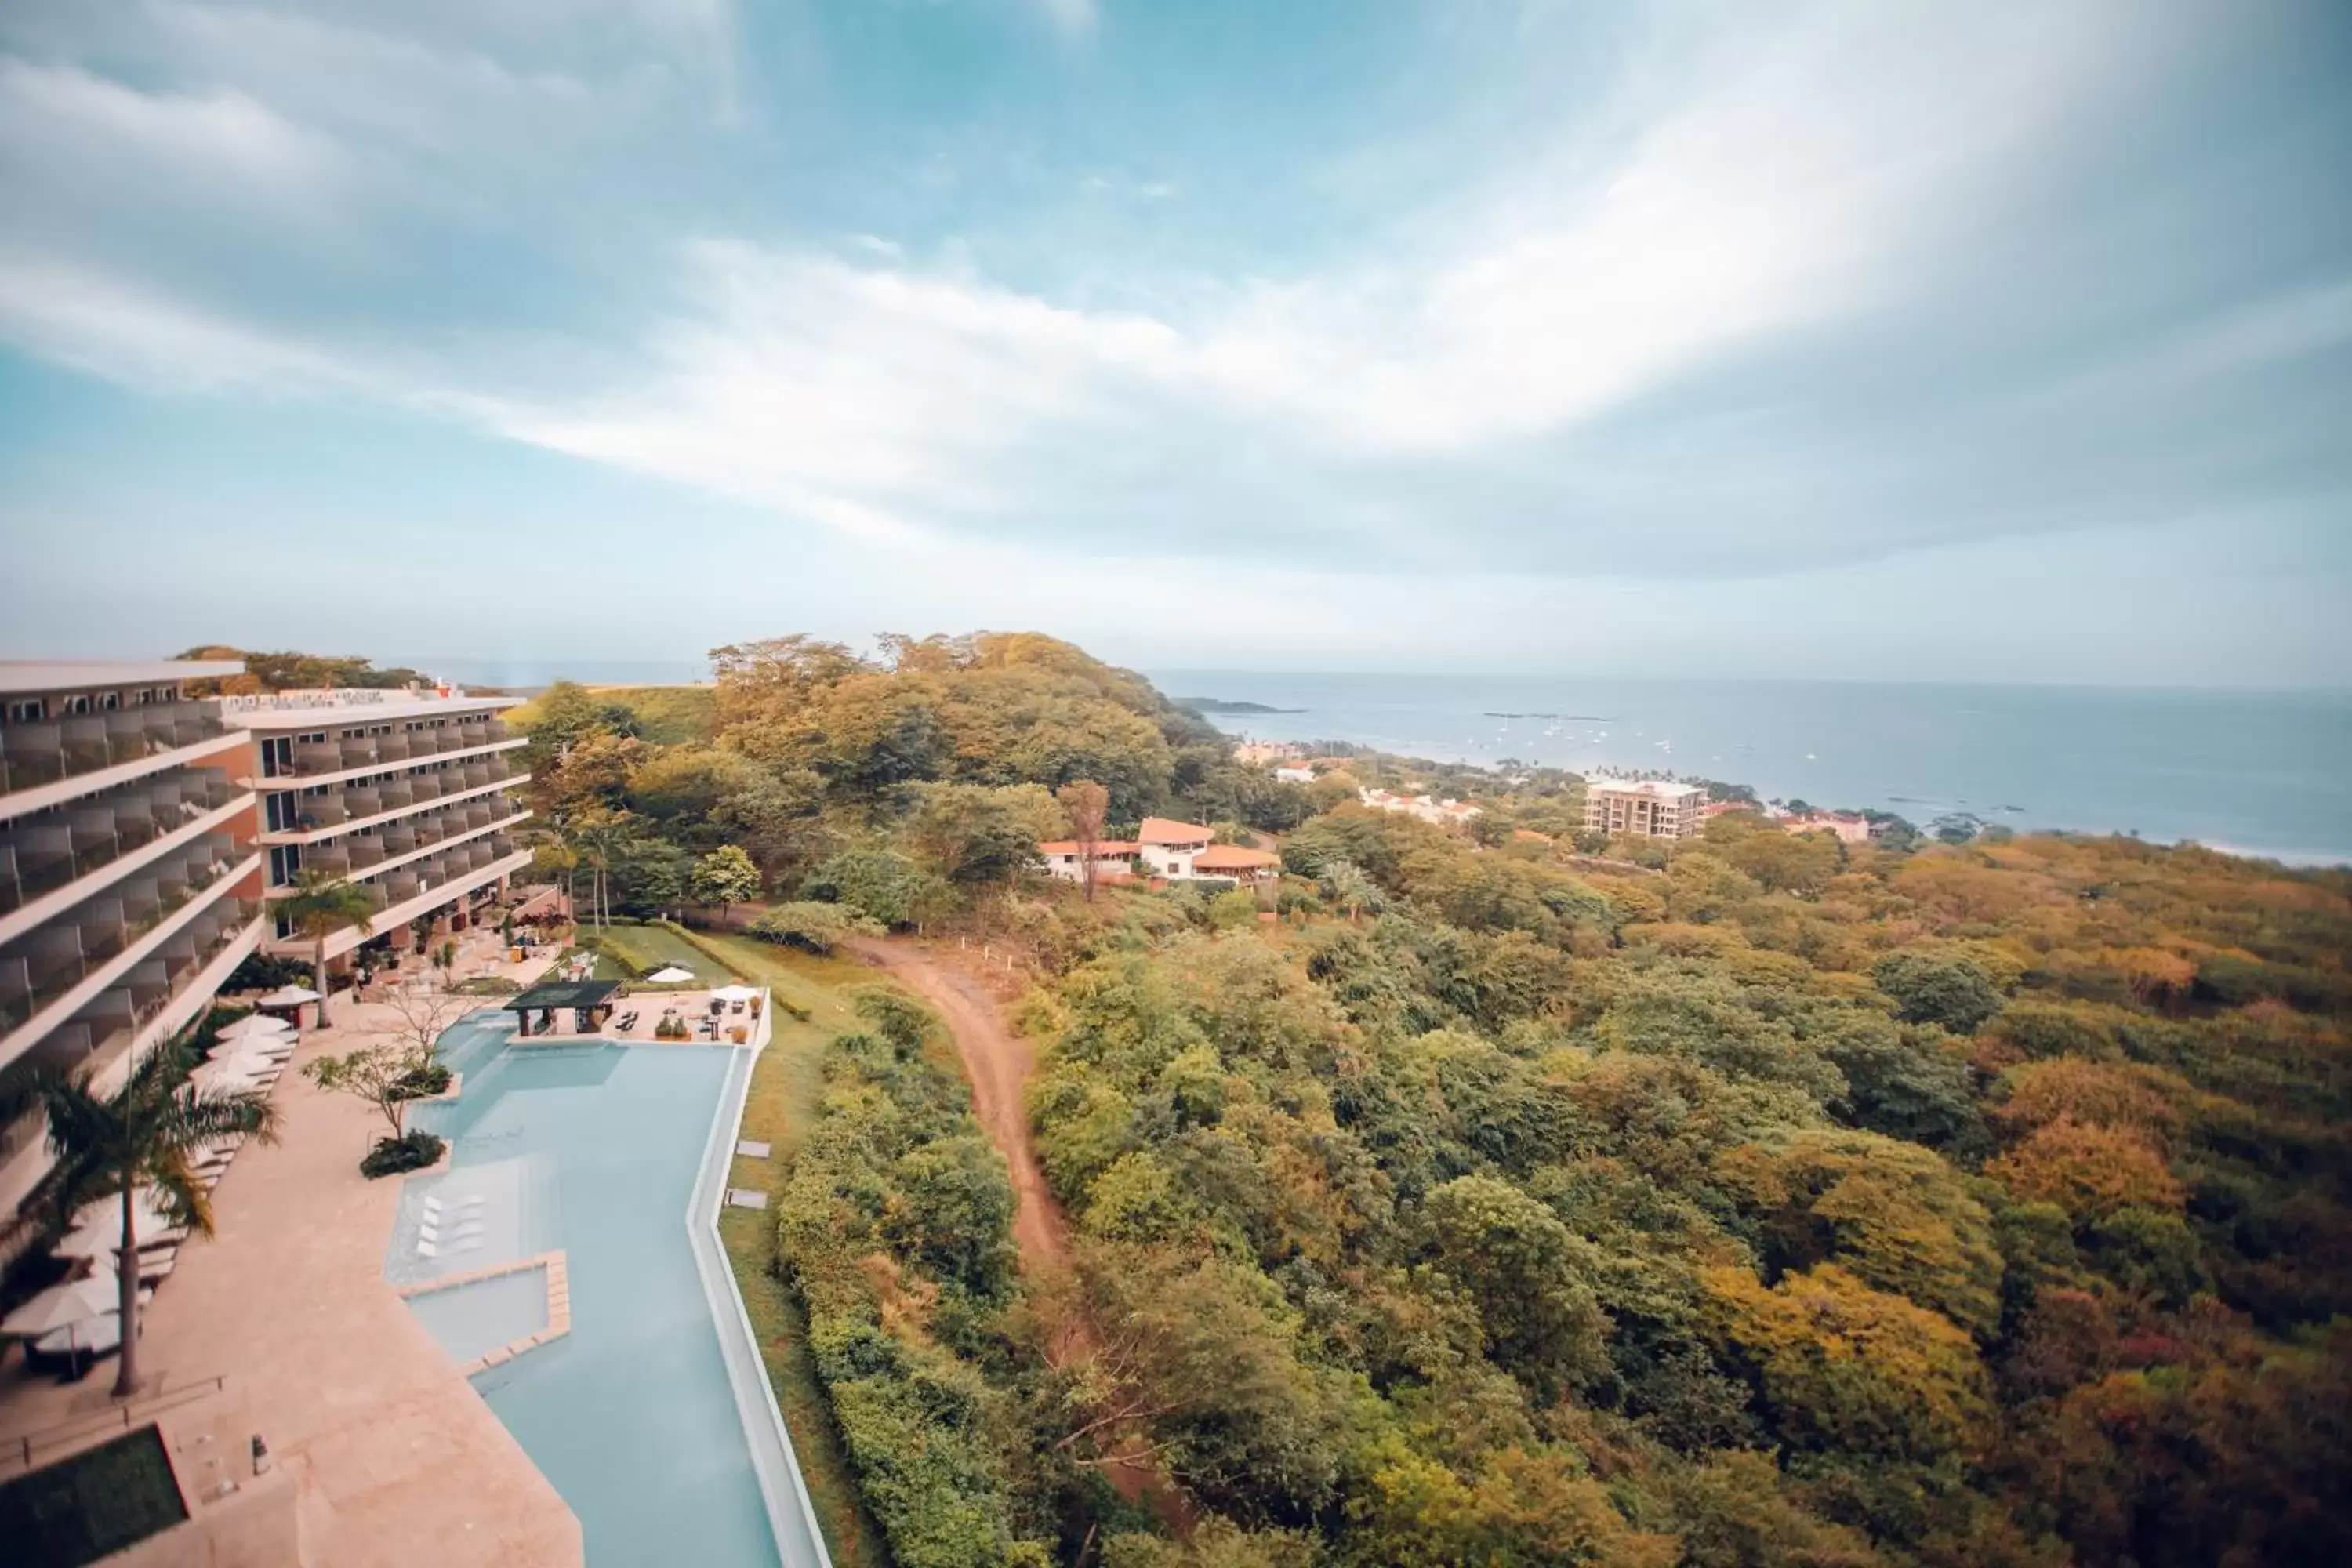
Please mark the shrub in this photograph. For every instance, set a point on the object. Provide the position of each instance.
(410, 1151)
(423, 1082)
(812, 927)
(487, 985)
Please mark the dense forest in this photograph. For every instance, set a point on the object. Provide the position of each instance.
(1468, 1200)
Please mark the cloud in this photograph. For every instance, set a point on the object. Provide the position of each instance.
(1072, 17)
(1714, 325)
(64, 122)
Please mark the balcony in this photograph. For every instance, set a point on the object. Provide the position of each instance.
(41, 966)
(102, 1031)
(316, 760)
(49, 752)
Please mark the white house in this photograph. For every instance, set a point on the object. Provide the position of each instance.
(1176, 851)
(1445, 813)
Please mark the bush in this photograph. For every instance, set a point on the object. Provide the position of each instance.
(410, 1151)
(812, 927)
(263, 972)
(487, 985)
(423, 1083)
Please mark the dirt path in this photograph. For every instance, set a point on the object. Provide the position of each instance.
(998, 1062)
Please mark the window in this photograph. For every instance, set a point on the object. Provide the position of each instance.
(280, 814)
(111, 700)
(285, 863)
(29, 711)
(276, 756)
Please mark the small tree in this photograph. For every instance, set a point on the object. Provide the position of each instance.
(421, 1019)
(1087, 804)
(444, 959)
(320, 906)
(143, 1136)
(724, 877)
(384, 1074)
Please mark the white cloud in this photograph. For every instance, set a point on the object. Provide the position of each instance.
(1075, 17)
(63, 121)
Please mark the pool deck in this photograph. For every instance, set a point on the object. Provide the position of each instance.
(396, 1460)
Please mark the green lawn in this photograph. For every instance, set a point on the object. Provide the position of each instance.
(646, 948)
(779, 1107)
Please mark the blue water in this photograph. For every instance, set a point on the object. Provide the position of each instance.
(631, 1415)
(472, 1319)
(2263, 772)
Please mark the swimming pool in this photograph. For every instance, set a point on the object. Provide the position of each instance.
(593, 1150)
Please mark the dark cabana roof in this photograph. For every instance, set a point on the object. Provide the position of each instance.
(562, 993)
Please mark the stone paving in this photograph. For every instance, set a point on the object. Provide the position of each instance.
(396, 1460)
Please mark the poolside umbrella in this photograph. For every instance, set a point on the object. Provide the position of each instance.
(254, 1024)
(149, 1218)
(670, 976)
(99, 1237)
(733, 993)
(230, 1072)
(288, 997)
(67, 1307)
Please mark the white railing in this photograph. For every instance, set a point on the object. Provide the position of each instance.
(335, 697)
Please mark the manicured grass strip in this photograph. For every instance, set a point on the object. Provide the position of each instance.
(91, 1504)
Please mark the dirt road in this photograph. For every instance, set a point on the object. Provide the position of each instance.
(998, 1062)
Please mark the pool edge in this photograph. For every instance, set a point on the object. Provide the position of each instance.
(762, 1417)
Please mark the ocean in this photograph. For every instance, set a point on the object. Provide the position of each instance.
(2257, 773)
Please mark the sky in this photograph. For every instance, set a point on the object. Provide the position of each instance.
(1910, 341)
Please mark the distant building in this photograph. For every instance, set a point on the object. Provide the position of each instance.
(1114, 859)
(1298, 773)
(1258, 753)
(1173, 851)
(1850, 827)
(1650, 808)
(1446, 813)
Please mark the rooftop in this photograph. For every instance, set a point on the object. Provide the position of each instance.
(1658, 788)
(1166, 830)
(70, 674)
(300, 709)
(1233, 858)
(562, 993)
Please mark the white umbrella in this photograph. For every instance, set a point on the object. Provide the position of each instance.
(257, 1025)
(148, 1218)
(99, 1237)
(671, 976)
(734, 994)
(229, 1072)
(288, 997)
(66, 1306)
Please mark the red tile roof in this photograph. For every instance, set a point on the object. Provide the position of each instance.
(1163, 830)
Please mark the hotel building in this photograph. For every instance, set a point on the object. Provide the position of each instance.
(1651, 808)
(130, 882)
(402, 794)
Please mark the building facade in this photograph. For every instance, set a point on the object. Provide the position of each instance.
(1169, 850)
(402, 794)
(130, 883)
(1650, 808)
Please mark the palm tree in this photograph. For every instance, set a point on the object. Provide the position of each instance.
(320, 906)
(141, 1137)
(1344, 883)
(601, 838)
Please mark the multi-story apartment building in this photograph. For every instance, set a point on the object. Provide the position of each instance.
(1650, 807)
(130, 882)
(401, 793)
